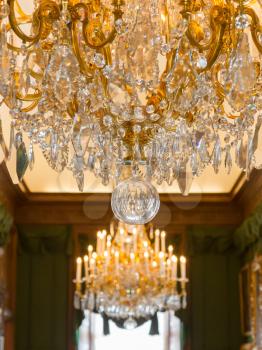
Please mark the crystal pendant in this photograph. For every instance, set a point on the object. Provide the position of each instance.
(242, 75)
(135, 201)
(21, 157)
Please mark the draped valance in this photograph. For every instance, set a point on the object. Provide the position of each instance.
(45, 239)
(211, 240)
(248, 237)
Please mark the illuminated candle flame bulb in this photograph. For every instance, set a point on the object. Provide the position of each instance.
(161, 255)
(145, 244)
(154, 264)
(163, 17)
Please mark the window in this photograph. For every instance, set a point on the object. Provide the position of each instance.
(91, 335)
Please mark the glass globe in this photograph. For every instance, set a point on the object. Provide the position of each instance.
(135, 201)
(130, 324)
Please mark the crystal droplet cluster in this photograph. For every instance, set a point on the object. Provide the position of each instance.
(158, 87)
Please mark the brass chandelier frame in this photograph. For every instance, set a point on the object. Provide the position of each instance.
(94, 19)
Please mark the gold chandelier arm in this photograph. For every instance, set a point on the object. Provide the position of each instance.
(31, 107)
(20, 11)
(218, 86)
(195, 35)
(79, 12)
(102, 44)
(83, 66)
(29, 97)
(47, 12)
(108, 40)
(255, 26)
(220, 17)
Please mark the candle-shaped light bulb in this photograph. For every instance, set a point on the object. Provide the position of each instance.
(103, 241)
(163, 17)
(78, 274)
(154, 264)
(108, 245)
(170, 251)
(183, 267)
(92, 266)
(90, 251)
(163, 241)
(86, 268)
(157, 241)
(174, 267)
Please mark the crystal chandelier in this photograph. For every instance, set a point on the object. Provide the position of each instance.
(152, 90)
(130, 276)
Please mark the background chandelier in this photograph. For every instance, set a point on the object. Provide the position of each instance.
(129, 276)
(153, 90)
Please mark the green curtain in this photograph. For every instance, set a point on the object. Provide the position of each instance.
(213, 312)
(42, 287)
